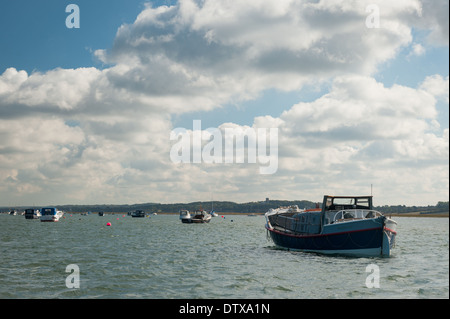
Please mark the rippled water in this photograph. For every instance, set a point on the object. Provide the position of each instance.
(231, 257)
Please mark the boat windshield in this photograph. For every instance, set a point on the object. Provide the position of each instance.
(48, 211)
(352, 214)
(338, 203)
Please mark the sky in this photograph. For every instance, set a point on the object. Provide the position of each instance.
(356, 91)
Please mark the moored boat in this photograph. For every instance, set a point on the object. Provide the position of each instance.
(213, 213)
(50, 214)
(138, 213)
(345, 225)
(32, 213)
(200, 217)
(185, 216)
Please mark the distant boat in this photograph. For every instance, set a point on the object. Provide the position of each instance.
(185, 216)
(197, 217)
(101, 214)
(345, 225)
(32, 213)
(138, 213)
(13, 213)
(213, 214)
(200, 217)
(50, 214)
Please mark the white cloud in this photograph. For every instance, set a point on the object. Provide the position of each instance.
(434, 18)
(417, 50)
(98, 136)
(362, 132)
(220, 50)
(437, 86)
(59, 88)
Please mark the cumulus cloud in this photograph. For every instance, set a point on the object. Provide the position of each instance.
(363, 131)
(224, 50)
(434, 18)
(437, 86)
(90, 135)
(59, 88)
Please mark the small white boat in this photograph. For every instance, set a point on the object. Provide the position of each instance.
(200, 217)
(50, 214)
(185, 216)
(213, 214)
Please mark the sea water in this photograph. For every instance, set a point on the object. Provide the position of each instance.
(229, 258)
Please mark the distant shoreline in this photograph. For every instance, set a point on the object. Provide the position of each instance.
(416, 214)
(232, 208)
(441, 215)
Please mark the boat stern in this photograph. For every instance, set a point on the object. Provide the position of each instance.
(389, 235)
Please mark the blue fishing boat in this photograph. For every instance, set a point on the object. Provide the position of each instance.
(50, 214)
(345, 225)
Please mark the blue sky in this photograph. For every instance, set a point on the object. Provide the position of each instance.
(38, 39)
(135, 70)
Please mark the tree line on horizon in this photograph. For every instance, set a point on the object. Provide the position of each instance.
(232, 207)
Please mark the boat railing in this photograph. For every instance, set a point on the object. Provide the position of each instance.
(352, 214)
(300, 222)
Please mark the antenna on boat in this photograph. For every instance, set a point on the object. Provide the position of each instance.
(370, 189)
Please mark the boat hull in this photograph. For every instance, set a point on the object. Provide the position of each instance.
(372, 239)
(200, 221)
(50, 218)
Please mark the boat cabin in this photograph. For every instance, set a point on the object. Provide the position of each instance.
(346, 208)
(48, 211)
(31, 213)
(346, 202)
